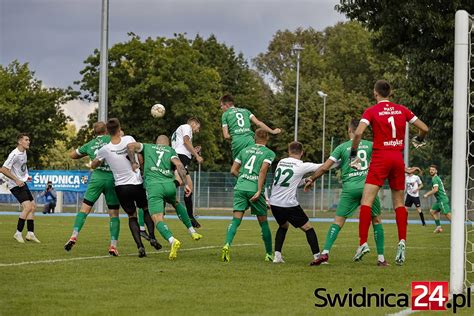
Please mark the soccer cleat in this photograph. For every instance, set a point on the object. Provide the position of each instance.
(361, 252)
(438, 230)
(113, 251)
(400, 257)
(70, 243)
(174, 249)
(141, 252)
(154, 243)
(18, 237)
(31, 237)
(195, 223)
(196, 236)
(144, 235)
(278, 259)
(322, 259)
(383, 263)
(268, 258)
(225, 257)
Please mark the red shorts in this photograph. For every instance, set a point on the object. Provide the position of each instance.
(387, 164)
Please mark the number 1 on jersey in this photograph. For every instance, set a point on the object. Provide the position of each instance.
(391, 120)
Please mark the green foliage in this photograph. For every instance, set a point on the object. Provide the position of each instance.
(422, 33)
(28, 107)
(186, 76)
(339, 61)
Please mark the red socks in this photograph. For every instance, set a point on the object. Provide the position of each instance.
(365, 218)
(401, 216)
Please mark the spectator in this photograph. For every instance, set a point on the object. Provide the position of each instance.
(50, 197)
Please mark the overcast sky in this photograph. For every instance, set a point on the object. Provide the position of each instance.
(55, 36)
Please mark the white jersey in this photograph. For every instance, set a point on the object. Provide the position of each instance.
(117, 158)
(16, 163)
(288, 176)
(412, 183)
(177, 140)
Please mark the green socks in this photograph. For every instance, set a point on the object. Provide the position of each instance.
(331, 237)
(79, 222)
(266, 236)
(114, 228)
(165, 232)
(141, 218)
(234, 224)
(183, 215)
(379, 238)
(438, 222)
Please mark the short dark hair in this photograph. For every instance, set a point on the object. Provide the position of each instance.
(382, 87)
(261, 134)
(20, 136)
(434, 166)
(295, 148)
(227, 98)
(353, 124)
(113, 126)
(194, 119)
(99, 128)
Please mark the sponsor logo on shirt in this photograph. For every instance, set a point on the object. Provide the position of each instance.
(393, 143)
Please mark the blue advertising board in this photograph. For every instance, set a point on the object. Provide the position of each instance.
(62, 180)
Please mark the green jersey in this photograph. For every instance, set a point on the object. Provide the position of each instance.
(158, 166)
(238, 122)
(251, 160)
(92, 147)
(441, 194)
(351, 178)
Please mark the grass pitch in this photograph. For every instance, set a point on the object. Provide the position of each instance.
(45, 279)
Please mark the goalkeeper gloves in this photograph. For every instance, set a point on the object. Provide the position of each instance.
(354, 160)
(418, 141)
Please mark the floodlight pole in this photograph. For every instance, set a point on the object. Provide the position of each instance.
(459, 161)
(324, 96)
(103, 78)
(297, 49)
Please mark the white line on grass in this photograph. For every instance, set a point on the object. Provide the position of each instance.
(404, 312)
(103, 257)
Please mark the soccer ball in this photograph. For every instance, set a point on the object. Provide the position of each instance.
(158, 110)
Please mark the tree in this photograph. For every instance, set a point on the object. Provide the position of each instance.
(422, 34)
(186, 76)
(27, 106)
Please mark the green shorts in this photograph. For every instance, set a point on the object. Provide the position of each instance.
(350, 201)
(442, 206)
(158, 194)
(242, 203)
(101, 182)
(241, 142)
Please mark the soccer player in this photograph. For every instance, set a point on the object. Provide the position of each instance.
(128, 183)
(237, 127)
(16, 170)
(388, 121)
(160, 160)
(283, 201)
(442, 200)
(181, 141)
(413, 187)
(250, 167)
(352, 188)
(101, 181)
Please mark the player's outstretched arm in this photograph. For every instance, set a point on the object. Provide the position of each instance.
(133, 148)
(262, 176)
(10, 175)
(189, 146)
(225, 132)
(182, 174)
(419, 140)
(433, 191)
(234, 170)
(74, 154)
(317, 174)
(262, 125)
(96, 163)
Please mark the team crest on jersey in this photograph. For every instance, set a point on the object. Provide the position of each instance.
(23, 167)
(84, 179)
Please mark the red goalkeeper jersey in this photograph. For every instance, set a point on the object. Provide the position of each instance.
(388, 121)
